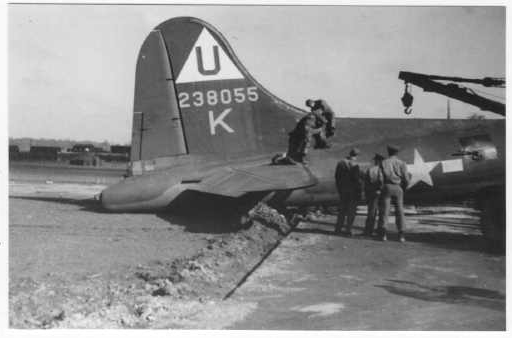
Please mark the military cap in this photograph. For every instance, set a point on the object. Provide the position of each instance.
(318, 104)
(354, 152)
(378, 157)
(392, 149)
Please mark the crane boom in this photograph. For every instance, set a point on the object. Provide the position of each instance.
(456, 92)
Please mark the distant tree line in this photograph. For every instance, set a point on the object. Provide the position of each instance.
(24, 143)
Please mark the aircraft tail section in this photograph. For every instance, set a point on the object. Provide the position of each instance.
(157, 129)
(193, 96)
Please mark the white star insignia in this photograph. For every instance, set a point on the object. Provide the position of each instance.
(420, 170)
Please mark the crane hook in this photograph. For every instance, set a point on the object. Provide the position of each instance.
(407, 100)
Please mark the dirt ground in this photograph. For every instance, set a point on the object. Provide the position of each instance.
(71, 265)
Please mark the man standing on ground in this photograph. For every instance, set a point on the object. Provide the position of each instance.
(373, 182)
(396, 180)
(348, 184)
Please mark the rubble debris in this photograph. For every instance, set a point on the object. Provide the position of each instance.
(147, 297)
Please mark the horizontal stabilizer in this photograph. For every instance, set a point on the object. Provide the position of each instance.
(237, 182)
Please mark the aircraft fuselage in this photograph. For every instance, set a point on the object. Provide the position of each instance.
(429, 147)
(439, 170)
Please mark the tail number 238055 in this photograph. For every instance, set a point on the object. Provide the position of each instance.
(214, 97)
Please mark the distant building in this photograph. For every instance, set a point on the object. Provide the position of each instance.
(86, 148)
(44, 153)
(14, 152)
(117, 149)
(83, 148)
(86, 159)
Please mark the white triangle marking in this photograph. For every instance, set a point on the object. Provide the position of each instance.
(205, 66)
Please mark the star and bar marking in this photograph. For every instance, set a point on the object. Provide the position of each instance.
(420, 170)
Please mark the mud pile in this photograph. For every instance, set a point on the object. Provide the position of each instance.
(182, 293)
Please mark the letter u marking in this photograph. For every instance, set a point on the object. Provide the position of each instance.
(200, 65)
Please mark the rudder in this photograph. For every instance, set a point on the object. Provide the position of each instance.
(157, 129)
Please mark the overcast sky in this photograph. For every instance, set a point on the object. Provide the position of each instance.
(72, 67)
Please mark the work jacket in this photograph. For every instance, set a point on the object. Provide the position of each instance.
(373, 180)
(347, 176)
(395, 171)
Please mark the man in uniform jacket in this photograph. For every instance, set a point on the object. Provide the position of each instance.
(373, 182)
(324, 119)
(348, 184)
(299, 138)
(396, 180)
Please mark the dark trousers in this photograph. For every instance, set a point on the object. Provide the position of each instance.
(372, 202)
(320, 140)
(298, 145)
(347, 210)
(391, 192)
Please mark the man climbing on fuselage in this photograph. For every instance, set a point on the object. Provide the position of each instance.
(318, 124)
(300, 138)
(324, 119)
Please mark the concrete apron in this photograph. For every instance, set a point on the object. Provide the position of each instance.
(440, 279)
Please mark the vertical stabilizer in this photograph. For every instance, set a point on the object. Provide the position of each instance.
(193, 96)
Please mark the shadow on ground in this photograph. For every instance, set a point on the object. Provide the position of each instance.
(208, 213)
(451, 237)
(202, 222)
(451, 294)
